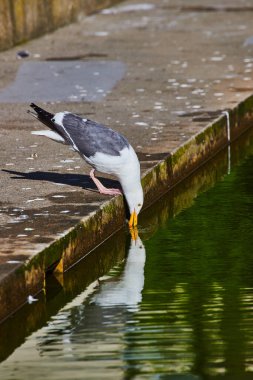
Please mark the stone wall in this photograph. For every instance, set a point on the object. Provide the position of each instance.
(22, 20)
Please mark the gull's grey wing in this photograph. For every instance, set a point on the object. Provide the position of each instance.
(91, 137)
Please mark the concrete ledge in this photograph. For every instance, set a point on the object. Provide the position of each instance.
(50, 301)
(98, 226)
(163, 104)
(22, 20)
(29, 278)
(64, 287)
(201, 147)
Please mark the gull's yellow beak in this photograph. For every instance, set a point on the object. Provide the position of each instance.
(133, 219)
(134, 233)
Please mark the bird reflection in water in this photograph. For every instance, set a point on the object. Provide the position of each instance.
(127, 291)
(99, 321)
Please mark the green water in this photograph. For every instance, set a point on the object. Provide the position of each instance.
(179, 307)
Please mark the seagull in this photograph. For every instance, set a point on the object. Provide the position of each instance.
(102, 148)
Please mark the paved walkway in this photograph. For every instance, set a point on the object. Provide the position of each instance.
(160, 71)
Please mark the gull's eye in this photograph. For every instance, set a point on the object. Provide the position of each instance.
(139, 204)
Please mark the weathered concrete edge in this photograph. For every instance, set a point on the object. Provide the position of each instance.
(22, 20)
(94, 229)
(197, 150)
(29, 278)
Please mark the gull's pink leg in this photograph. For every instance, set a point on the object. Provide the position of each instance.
(102, 189)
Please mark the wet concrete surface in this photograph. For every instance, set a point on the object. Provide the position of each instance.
(181, 66)
(39, 81)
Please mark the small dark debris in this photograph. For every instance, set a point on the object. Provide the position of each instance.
(241, 89)
(77, 57)
(23, 54)
(209, 114)
(219, 8)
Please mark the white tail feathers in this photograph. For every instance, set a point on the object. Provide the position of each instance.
(50, 134)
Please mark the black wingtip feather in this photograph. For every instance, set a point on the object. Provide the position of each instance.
(42, 114)
(46, 118)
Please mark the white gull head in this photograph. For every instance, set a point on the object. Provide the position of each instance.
(134, 199)
(130, 180)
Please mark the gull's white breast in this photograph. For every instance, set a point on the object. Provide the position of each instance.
(126, 164)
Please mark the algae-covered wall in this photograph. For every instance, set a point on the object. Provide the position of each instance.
(21, 20)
